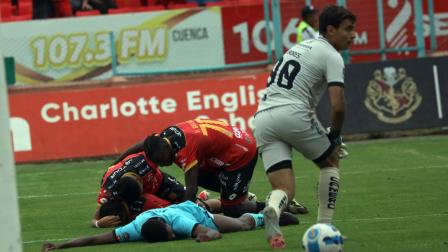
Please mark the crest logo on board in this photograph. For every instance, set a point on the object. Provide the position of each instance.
(392, 96)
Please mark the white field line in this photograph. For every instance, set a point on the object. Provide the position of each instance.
(395, 169)
(49, 240)
(384, 218)
(55, 195)
(305, 222)
(343, 173)
(396, 139)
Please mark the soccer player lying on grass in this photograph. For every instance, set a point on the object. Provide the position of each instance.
(128, 180)
(178, 221)
(122, 214)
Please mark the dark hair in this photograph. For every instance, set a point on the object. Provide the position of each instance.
(308, 11)
(128, 189)
(334, 15)
(154, 230)
(152, 146)
(114, 207)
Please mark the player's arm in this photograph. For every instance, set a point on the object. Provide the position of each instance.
(96, 217)
(335, 77)
(99, 221)
(337, 102)
(191, 183)
(106, 221)
(105, 238)
(136, 148)
(203, 234)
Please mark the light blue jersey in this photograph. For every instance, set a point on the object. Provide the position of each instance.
(182, 218)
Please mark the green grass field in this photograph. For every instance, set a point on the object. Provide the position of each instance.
(393, 198)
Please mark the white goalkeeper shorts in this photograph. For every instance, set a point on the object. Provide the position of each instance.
(278, 130)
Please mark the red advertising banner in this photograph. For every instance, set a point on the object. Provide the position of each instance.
(245, 35)
(98, 121)
(440, 24)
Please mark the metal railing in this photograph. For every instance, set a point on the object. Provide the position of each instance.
(383, 49)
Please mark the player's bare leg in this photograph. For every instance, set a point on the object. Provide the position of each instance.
(245, 222)
(283, 184)
(237, 210)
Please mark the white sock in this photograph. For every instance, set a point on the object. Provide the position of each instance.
(278, 200)
(327, 192)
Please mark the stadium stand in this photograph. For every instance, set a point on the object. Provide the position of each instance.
(136, 9)
(60, 8)
(21, 12)
(87, 13)
(6, 11)
(182, 6)
(128, 3)
(24, 10)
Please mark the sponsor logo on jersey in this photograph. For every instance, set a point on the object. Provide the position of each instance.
(237, 181)
(392, 96)
(237, 132)
(232, 196)
(247, 139)
(216, 161)
(223, 179)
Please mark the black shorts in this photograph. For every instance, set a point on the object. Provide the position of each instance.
(232, 185)
(171, 189)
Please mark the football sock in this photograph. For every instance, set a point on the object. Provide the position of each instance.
(258, 218)
(278, 200)
(327, 191)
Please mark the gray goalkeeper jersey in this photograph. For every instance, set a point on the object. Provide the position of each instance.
(303, 74)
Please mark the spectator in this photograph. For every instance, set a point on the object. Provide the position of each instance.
(61, 8)
(102, 6)
(307, 28)
(51, 8)
(42, 9)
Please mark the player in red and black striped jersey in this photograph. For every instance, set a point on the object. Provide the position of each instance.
(138, 182)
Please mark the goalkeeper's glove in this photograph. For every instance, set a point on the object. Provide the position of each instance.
(343, 153)
(335, 137)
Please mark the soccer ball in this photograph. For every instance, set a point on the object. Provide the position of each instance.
(322, 238)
